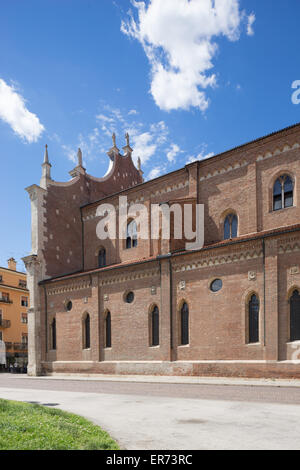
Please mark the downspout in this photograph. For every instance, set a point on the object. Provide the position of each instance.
(171, 307)
(198, 179)
(171, 300)
(264, 273)
(82, 240)
(46, 319)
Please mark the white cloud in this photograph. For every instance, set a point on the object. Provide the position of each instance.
(149, 141)
(156, 172)
(251, 20)
(132, 112)
(144, 146)
(201, 156)
(174, 150)
(178, 39)
(70, 153)
(103, 118)
(13, 111)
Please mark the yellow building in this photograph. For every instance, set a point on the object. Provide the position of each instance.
(14, 301)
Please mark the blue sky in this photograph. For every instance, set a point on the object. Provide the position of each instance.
(186, 80)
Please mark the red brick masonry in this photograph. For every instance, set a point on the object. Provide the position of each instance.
(264, 260)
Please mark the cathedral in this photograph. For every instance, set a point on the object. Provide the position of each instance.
(148, 305)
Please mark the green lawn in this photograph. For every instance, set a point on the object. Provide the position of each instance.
(33, 427)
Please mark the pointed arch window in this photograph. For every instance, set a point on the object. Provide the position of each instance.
(254, 319)
(155, 326)
(283, 193)
(108, 330)
(295, 316)
(131, 235)
(87, 332)
(102, 258)
(53, 334)
(230, 227)
(184, 324)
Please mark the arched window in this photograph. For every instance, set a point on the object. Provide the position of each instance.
(155, 326)
(131, 235)
(184, 320)
(254, 319)
(87, 332)
(295, 316)
(102, 258)
(108, 330)
(230, 227)
(283, 193)
(53, 334)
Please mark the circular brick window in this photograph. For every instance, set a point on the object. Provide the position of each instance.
(69, 306)
(216, 285)
(129, 297)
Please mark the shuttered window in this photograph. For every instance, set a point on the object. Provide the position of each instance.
(155, 326)
(102, 258)
(230, 227)
(254, 319)
(87, 332)
(53, 333)
(108, 330)
(184, 324)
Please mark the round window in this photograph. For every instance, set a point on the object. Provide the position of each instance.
(69, 305)
(129, 297)
(216, 285)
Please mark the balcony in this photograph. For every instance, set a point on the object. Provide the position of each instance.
(4, 323)
(20, 347)
(8, 346)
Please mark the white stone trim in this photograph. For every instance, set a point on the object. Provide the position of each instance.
(72, 288)
(218, 260)
(129, 277)
(261, 157)
(276, 152)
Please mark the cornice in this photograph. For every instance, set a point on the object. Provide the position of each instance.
(72, 287)
(19, 289)
(129, 277)
(244, 163)
(209, 261)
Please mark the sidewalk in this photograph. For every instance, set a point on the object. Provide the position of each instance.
(145, 422)
(172, 380)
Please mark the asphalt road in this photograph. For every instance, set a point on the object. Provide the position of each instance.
(173, 416)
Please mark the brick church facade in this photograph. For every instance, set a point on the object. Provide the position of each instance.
(138, 306)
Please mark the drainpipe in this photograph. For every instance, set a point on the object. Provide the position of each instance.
(82, 239)
(46, 318)
(171, 307)
(159, 258)
(264, 271)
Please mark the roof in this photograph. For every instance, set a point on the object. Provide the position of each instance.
(197, 162)
(13, 271)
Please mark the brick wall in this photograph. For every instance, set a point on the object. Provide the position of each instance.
(266, 264)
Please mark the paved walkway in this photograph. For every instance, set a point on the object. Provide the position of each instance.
(173, 416)
(177, 380)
